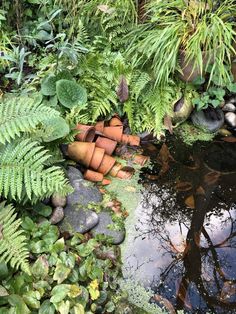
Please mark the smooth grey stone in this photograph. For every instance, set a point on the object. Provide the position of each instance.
(78, 219)
(210, 119)
(58, 200)
(85, 193)
(103, 227)
(57, 215)
(74, 174)
(232, 100)
(230, 118)
(229, 107)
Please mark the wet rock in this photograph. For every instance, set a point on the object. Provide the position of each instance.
(57, 215)
(229, 107)
(224, 132)
(232, 100)
(209, 119)
(106, 226)
(85, 193)
(58, 200)
(230, 118)
(78, 219)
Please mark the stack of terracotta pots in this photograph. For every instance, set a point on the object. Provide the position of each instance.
(97, 155)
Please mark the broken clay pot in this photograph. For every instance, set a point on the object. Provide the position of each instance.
(141, 159)
(93, 176)
(113, 132)
(86, 133)
(106, 164)
(81, 152)
(99, 126)
(132, 140)
(107, 144)
(115, 121)
(117, 167)
(97, 158)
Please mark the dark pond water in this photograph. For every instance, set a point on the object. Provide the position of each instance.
(182, 243)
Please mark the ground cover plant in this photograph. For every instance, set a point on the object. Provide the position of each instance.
(66, 62)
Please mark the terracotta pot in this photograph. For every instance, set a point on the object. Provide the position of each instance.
(122, 174)
(189, 72)
(141, 159)
(93, 176)
(99, 126)
(86, 133)
(117, 167)
(81, 152)
(113, 132)
(107, 144)
(132, 140)
(97, 158)
(106, 181)
(115, 121)
(106, 164)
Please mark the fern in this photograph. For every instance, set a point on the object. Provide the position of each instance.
(23, 175)
(21, 114)
(12, 241)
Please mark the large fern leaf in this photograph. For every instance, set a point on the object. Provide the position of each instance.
(21, 114)
(13, 248)
(23, 173)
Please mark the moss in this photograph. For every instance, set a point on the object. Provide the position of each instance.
(190, 134)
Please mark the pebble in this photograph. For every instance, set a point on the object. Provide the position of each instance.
(224, 132)
(58, 200)
(229, 107)
(232, 100)
(230, 118)
(57, 215)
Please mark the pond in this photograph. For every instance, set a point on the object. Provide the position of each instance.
(182, 239)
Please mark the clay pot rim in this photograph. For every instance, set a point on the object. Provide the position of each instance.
(87, 134)
(108, 166)
(100, 155)
(108, 150)
(87, 155)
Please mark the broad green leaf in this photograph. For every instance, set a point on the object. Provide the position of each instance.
(3, 292)
(48, 85)
(42, 209)
(64, 307)
(40, 268)
(86, 249)
(54, 129)
(32, 298)
(70, 93)
(61, 272)
(19, 305)
(59, 292)
(75, 291)
(94, 290)
(78, 309)
(47, 308)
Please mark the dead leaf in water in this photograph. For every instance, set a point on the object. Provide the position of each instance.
(130, 188)
(183, 186)
(182, 292)
(190, 202)
(200, 191)
(164, 154)
(168, 124)
(152, 177)
(211, 177)
(165, 303)
(229, 139)
(228, 290)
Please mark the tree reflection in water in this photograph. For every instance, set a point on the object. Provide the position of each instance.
(188, 255)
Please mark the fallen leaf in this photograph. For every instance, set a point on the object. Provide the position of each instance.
(228, 290)
(183, 186)
(105, 8)
(229, 139)
(168, 124)
(130, 188)
(164, 154)
(165, 303)
(182, 292)
(190, 202)
(200, 191)
(123, 90)
(125, 214)
(152, 177)
(211, 177)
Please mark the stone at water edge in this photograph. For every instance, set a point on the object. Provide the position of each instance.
(78, 219)
(210, 119)
(57, 215)
(230, 118)
(229, 107)
(58, 200)
(74, 174)
(105, 227)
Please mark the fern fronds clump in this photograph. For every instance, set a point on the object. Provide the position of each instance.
(24, 176)
(22, 114)
(13, 246)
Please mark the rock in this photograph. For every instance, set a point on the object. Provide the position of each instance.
(230, 118)
(209, 119)
(74, 174)
(78, 219)
(229, 107)
(232, 100)
(85, 193)
(106, 227)
(224, 132)
(57, 215)
(58, 200)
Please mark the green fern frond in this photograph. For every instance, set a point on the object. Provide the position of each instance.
(21, 114)
(13, 247)
(23, 174)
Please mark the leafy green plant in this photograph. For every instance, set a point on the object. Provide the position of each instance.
(13, 246)
(23, 175)
(70, 93)
(213, 97)
(203, 31)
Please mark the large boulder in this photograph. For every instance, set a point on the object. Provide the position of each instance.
(209, 119)
(107, 227)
